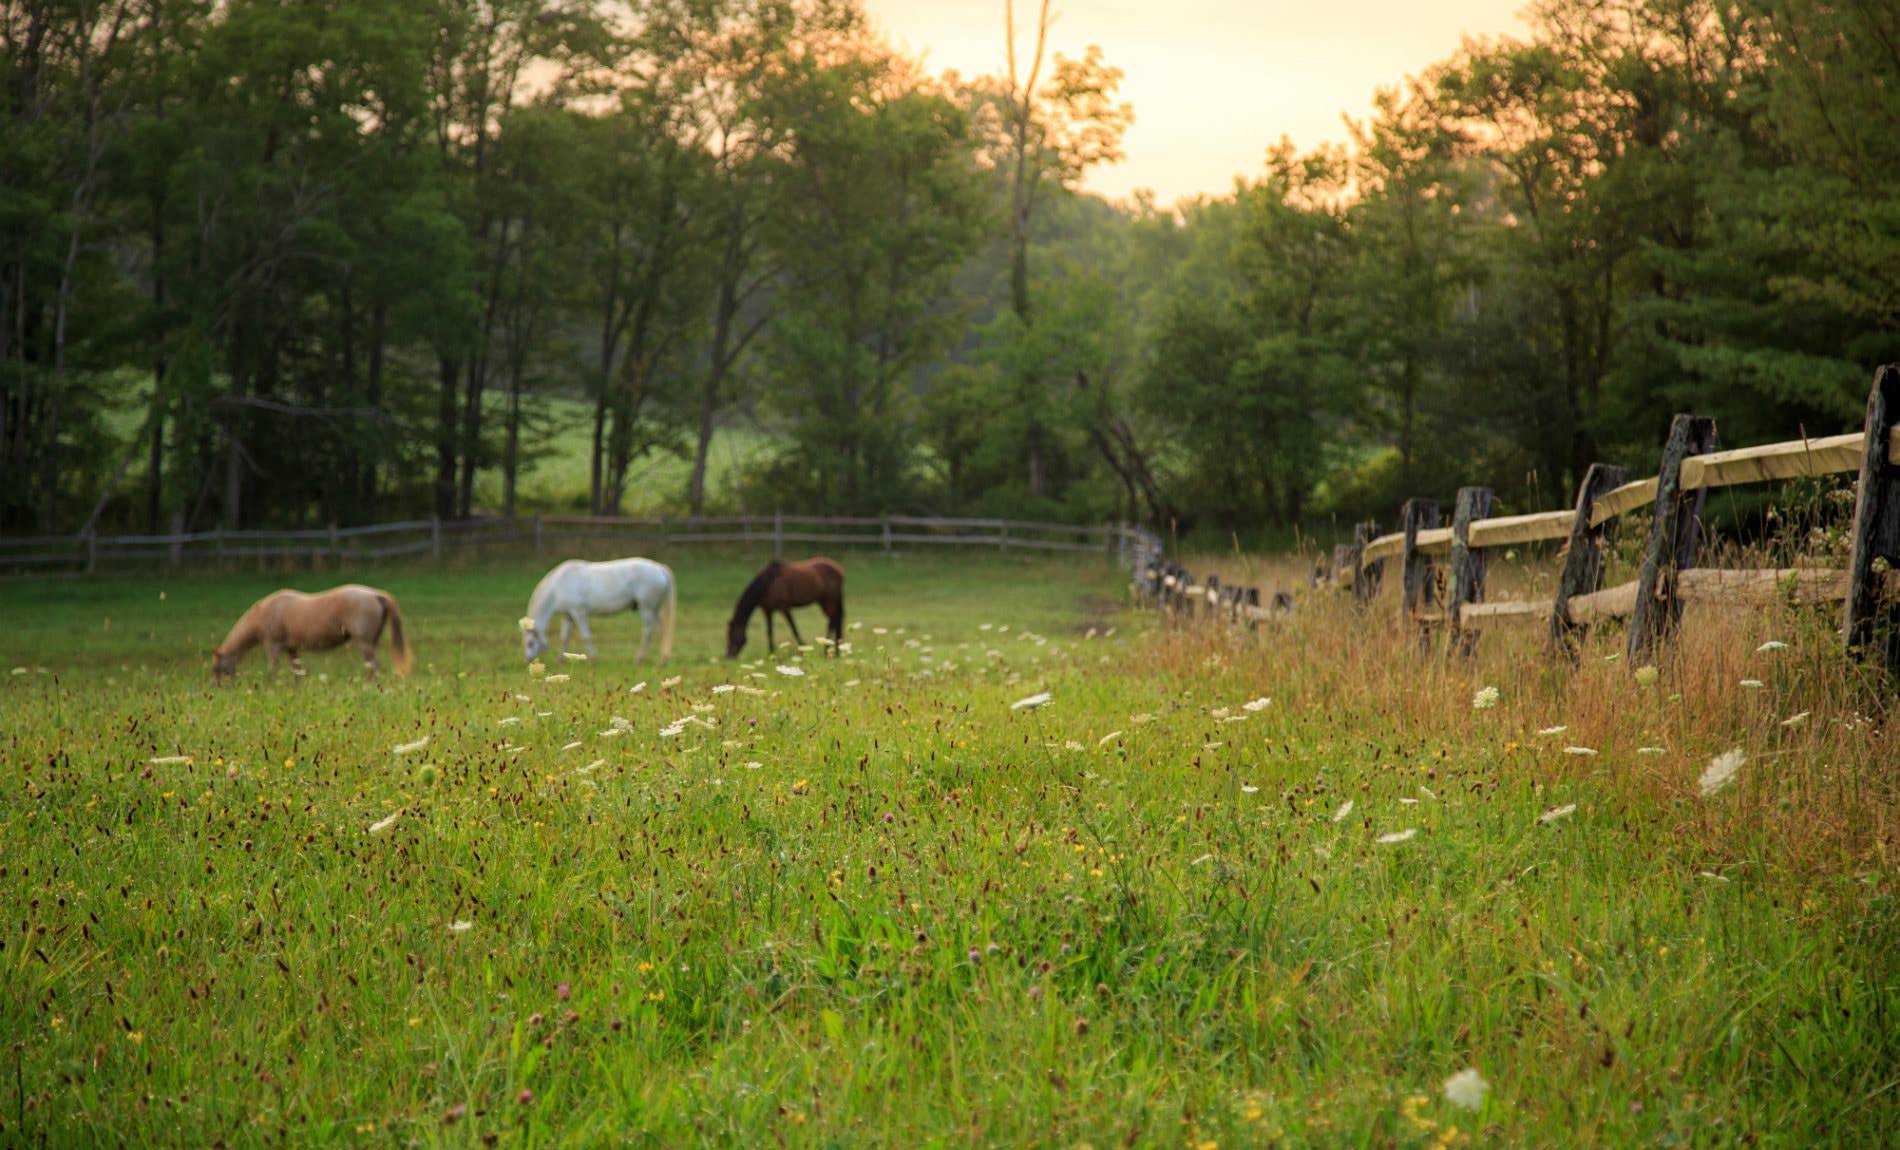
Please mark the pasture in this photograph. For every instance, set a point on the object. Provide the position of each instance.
(801, 901)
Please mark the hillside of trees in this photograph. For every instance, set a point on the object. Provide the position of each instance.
(332, 261)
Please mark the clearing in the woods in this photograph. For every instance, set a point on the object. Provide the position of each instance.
(869, 900)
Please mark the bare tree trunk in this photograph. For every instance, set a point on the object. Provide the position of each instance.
(378, 333)
(448, 371)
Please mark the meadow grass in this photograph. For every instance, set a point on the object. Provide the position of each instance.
(872, 904)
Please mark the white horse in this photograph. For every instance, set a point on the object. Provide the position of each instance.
(577, 589)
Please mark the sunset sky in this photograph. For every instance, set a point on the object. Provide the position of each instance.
(1214, 82)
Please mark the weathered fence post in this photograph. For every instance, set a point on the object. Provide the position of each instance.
(336, 547)
(435, 537)
(92, 550)
(176, 550)
(1583, 559)
(1415, 569)
(1871, 620)
(1366, 576)
(1672, 537)
(1467, 565)
(886, 533)
(778, 535)
(1002, 540)
(538, 545)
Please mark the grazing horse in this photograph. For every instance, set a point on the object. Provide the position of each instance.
(782, 586)
(577, 588)
(289, 622)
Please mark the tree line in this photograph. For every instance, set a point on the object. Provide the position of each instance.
(266, 262)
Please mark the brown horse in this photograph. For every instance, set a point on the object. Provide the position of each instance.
(783, 586)
(287, 622)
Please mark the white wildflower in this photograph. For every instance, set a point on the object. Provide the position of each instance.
(1555, 813)
(1711, 876)
(574, 656)
(409, 748)
(168, 760)
(1259, 704)
(1138, 720)
(637, 687)
(1072, 745)
(1246, 789)
(573, 746)
(1721, 771)
(1466, 1090)
(724, 689)
(1652, 751)
(1399, 836)
(669, 684)
(1771, 645)
(791, 672)
(537, 669)
(1031, 702)
(1105, 740)
(558, 678)
(508, 721)
(1485, 699)
(1345, 808)
(1581, 752)
(1547, 732)
(460, 925)
(1753, 684)
(1793, 720)
(377, 828)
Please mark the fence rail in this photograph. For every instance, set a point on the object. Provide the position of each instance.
(43, 555)
(1668, 578)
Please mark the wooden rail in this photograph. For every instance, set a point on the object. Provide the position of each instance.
(1869, 586)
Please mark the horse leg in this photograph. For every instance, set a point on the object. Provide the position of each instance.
(771, 644)
(566, 626)
(834, 615)
(793, 623)
(649, 619)
(367, 648)
(587, 636)
(296, 664)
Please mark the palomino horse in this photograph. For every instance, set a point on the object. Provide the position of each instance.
(577, 589)
(783, 586)
(289, 622)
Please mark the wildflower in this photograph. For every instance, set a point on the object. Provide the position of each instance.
(1646, 676)
(1771, 645)
(1259, 704)
(1753, 684)
(559, 678)
(574, 656)
(1466, 1090)
(637, 687)
(508, 721)
(460, 925)
(168, 760)
(1072, 745)
(801, 786)
(724, 689)
(1791, 721)
(1105, 740)
(1399, 836)
(1345, 808)
(1245, 789)
(1721, 771)
(1031, 702)
(1555, 813)
(1581, 752)
(1485, 699)
(1549, 731)
(526, 623)
(525, 1097)
(377, 828)
(791, 672)
(1652, 751)
(537, 669)
(1138, 720)
(409, 748)
(670, 683)
(573, 746)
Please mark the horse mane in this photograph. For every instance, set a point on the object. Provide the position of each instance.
(543, 589)
(755, 591)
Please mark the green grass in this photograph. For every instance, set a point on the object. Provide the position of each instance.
(873, 905)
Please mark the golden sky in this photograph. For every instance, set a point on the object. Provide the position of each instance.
(1214, 82)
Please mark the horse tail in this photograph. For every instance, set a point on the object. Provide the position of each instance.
(669, 613)
(398, 645)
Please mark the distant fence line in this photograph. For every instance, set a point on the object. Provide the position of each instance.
(1667, 577)
(436, 538)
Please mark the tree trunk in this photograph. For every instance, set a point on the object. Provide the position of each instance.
(373, 395)
(155, 467)
(448, 370)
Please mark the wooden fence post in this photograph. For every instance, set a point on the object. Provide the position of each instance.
(92, 550)
(1366, 576)
(886, 525)
(1871, 620)
(1467, 565)
(1672, 538)
(538, 545)
(778, 535)
(1002, 540)
(1415, 569)
(1583, 559)
(176, 551)
(435, 537)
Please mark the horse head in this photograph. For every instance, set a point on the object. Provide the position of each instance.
(735, 637)
(223, 666)
(533, 644)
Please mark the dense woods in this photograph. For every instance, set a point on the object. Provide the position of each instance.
(326, 262)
